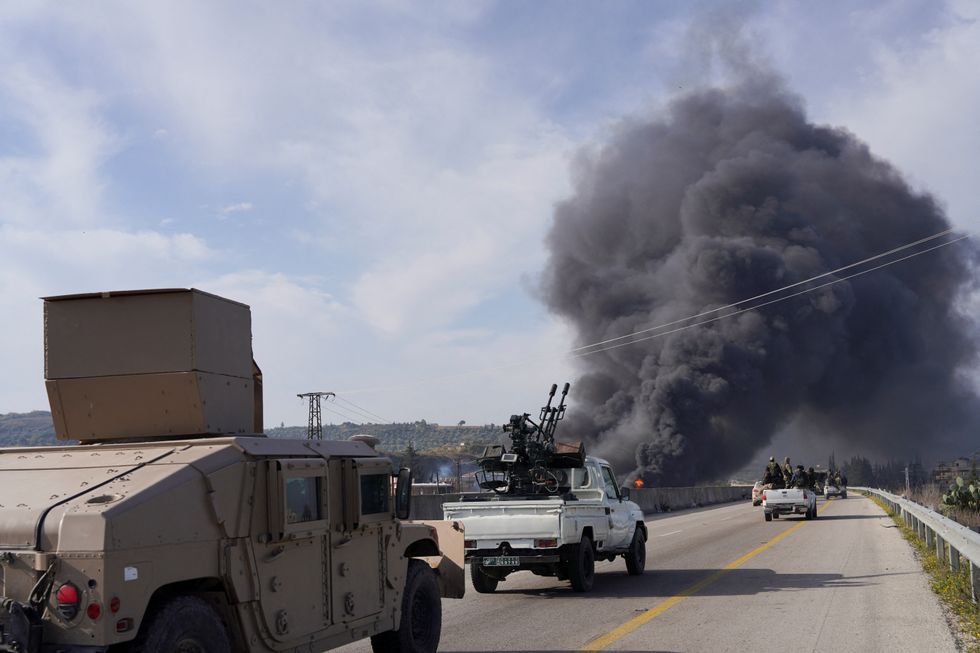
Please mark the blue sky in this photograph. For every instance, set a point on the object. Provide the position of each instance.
(375, 179)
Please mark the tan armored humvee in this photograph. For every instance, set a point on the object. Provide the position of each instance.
(176, 526)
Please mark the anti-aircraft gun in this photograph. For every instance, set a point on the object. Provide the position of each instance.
(536, 463)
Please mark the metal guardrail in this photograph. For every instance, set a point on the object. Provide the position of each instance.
(952, 542)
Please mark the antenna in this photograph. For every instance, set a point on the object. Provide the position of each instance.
(314, 427)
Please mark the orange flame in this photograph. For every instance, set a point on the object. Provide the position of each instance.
(638, 483)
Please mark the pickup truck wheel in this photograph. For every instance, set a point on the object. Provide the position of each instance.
(581, 565)
(421, 620)
(482, 583)
(775, 515)
(636, 557)
(768, 516)
(184, 624)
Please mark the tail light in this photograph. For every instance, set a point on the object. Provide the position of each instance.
(546, 543)
(94, 611)
(68, 599)
(114, 605)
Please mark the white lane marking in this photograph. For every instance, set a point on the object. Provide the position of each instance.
(670, 533)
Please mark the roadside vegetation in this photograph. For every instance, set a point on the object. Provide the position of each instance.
(958, 502)
(952, 587)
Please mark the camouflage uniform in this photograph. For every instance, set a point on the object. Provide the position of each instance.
(799, 479)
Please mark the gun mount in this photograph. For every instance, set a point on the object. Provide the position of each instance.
(536, 463)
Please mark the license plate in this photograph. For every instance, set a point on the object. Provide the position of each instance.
(501, 561)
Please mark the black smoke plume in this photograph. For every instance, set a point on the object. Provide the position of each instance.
(730, 193)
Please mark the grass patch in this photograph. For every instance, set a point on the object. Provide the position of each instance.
(953, 588)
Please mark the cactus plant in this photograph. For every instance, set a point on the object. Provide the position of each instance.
(963, 494)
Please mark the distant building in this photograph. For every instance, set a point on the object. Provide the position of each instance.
(441, 487)
(944, 473)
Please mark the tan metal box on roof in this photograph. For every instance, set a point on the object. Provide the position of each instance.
(150, 363)
(146, 332)
(150, 405)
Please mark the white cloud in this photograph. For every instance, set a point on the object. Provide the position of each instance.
(919, 106)
(53, 176)
(240, 207)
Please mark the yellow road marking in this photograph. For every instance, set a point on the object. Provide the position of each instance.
(618, 633)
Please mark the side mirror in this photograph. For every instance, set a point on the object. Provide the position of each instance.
(625, 493)
(403, 493)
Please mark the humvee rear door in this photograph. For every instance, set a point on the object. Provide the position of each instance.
(291, 560)
(357, 539)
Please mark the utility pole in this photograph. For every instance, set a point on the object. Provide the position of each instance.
(908, 485)
(314, 426)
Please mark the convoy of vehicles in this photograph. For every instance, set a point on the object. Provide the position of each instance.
(177, 526)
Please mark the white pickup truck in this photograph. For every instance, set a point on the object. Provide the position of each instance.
(833, 490)
(789, 501)
(587, 518)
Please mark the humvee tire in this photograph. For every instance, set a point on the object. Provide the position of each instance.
(421, 621)
(581, 565)
(636, 557)
(482, 582)
(184, 624)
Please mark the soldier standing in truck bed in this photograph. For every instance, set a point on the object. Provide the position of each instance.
(787, 472)
(773, 476)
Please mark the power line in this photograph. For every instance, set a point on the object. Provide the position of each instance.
(365, 411)
(578, 352)
(348, 417)
(757, 306)
(772, 292)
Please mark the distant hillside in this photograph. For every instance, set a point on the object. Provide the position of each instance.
(423, 435)
(36, 428)
(26, 429)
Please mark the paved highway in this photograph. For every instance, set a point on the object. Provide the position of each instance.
(722, 579)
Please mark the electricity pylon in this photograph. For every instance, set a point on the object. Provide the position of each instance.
(314, 427)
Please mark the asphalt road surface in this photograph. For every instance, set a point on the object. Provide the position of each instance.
(722, 579)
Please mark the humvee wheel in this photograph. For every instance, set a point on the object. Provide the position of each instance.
(482, 582)
(184, 624)
(636, 557)
(581, 565)
(421, 620)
